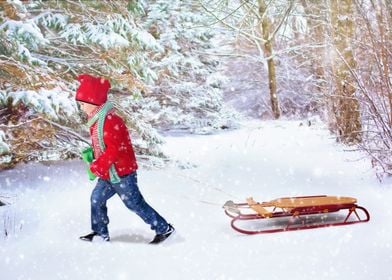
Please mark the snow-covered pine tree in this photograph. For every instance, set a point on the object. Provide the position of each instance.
(154, 54)
(44, 45)
(188, 90)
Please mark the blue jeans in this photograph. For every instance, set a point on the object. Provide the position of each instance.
(129, 193)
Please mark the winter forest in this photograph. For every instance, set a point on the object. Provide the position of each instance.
(280, 69)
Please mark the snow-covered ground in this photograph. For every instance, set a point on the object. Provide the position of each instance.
(266, 160)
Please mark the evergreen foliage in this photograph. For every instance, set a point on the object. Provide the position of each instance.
(188, 87)
(147, 49)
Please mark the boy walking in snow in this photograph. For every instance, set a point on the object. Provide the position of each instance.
(113, 162)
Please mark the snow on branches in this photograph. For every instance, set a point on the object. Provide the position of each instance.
(147, 49)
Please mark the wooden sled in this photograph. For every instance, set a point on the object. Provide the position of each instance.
(294, 213)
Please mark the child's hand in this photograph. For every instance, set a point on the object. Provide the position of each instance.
(95, 170)
(88, 155)
(90, 174)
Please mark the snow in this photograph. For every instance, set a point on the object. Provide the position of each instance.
(52, 19)
(146, 40)
(266, 160)
(4, 148)
(27, 30)
(74, 34)
(104, 36)
(48, 101)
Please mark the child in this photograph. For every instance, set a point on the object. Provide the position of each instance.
(113, 161)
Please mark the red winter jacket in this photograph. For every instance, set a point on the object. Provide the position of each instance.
(118, 149)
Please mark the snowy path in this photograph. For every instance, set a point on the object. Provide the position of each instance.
(265, 160)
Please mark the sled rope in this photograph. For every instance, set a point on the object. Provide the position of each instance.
(210, 186)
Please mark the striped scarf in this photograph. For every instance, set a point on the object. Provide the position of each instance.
(99, 118)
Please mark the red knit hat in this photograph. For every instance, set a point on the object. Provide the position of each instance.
(93, 90)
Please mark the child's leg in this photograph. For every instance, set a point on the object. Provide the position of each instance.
(129, 193)
(99, 217)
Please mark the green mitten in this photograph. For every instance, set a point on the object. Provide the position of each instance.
(88, 157)
(90, 174)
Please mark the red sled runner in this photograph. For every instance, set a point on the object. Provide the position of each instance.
(294, 213)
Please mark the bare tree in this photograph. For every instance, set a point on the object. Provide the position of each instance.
(373, 80)
(344, 101)
(251, 20)
(265, 27)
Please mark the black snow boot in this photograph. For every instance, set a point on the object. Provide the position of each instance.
(163, 236)
(90, 237)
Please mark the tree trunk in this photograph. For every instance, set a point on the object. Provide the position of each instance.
(345, 103)
(265, 30)
(316, 10)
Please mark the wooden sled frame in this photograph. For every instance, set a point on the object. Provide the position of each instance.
(296, 209)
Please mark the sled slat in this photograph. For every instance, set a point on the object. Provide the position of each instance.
(294, 202)
(258, 208)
